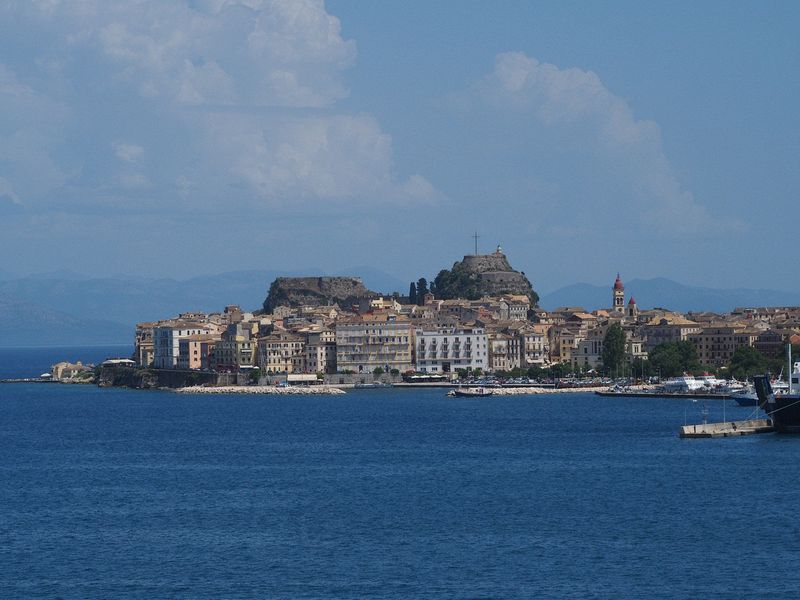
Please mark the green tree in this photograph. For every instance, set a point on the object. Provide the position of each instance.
(254, 376)
(534, 372)
(614, 348)
(412, 293)
(422, 289)
(747, 361)
(641, 368)
(672, 359)
(377, 371)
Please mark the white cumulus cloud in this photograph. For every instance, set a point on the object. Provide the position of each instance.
(7, 192)
(128, 152)
(223, 94)
(578, 102)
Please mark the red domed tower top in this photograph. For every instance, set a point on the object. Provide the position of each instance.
(631, 301)
(618, 284)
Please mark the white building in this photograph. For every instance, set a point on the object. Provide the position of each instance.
(166, 341)
(443, 350)
(367, 342)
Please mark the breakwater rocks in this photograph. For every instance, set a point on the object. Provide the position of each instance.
(527, 391)
(315, 390)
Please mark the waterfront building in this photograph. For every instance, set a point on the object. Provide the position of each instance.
(66, 371)
(367, 342)
(236, 350)
(563, 342)
(282, 352)
(534, 349)
(321, 351)
(143, 351)
(500, 352)
(447, 349)
(166, 340)
(196, 351)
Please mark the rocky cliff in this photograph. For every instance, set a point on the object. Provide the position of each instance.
(482, 275)
(315, 291)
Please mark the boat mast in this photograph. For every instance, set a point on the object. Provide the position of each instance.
(789, 352)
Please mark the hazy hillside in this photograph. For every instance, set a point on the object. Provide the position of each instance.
(47, 310)
(650, 293)
(26, 324)
(71, 303)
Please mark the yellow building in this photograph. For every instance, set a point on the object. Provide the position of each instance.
(282, 353)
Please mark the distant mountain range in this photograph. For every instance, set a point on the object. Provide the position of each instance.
(665, 293)
(81, 310)
(74, 310)
(29, 324)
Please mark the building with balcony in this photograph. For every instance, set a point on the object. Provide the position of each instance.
(367, 342)
(447, 349)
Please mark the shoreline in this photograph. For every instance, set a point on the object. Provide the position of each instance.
(317, 390)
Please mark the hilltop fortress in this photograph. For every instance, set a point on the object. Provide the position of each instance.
(315, 291)
(479, 275)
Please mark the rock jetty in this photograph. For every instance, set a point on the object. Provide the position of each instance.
(530, 390)
(315, 390)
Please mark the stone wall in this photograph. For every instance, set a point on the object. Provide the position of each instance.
(152, 378)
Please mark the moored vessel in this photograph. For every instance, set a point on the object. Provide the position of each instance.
(472, 392)
(782, 408)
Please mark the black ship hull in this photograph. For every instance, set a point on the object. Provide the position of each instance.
(783, 409)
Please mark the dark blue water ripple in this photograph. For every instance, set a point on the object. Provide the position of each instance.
(386, 494)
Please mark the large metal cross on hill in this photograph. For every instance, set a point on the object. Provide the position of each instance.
(476, 236)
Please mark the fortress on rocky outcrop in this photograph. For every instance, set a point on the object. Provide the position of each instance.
(478, 275)
(315, 291)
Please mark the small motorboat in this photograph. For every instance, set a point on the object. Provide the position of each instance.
(472, 392)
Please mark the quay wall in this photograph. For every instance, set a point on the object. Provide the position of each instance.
(148, 379)
(117, 376)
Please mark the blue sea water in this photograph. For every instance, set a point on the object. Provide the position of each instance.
(386, 494)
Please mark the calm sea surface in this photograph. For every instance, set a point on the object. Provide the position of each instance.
(384, 494)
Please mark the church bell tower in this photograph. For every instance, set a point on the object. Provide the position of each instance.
(619, 295)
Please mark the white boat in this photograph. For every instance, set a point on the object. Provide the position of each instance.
(748, 397)
(712, 384)
(685, 384)
(472, 392)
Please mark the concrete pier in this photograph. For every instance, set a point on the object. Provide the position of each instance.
(726, 429)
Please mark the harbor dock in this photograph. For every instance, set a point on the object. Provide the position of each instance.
(726, 429)
(650, 393)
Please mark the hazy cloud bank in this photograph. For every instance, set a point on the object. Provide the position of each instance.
(231, 102)
(575, 105)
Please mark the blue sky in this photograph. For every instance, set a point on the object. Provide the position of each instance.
(183, 138)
